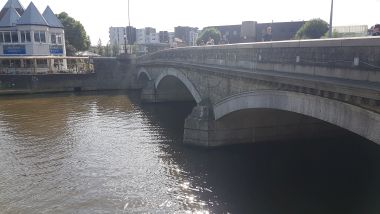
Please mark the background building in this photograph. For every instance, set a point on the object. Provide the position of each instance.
(147, 35)
(280, 30)
(164, 36)
(350, 31)
(118, 39)
(251, 31)
(187, 34)
(28, 32)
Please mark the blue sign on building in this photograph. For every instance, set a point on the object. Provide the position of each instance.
(14, 49)
(56, 49)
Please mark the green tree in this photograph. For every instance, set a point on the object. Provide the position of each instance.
(313, 29)
(100, 48)
(75, 34)
(115, 50)
(207, 33)
(107, 50)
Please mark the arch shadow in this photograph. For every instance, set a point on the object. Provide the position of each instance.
(353, 118)
(171, 72)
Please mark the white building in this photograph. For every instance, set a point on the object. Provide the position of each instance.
(147, 36)
(30, 33)
(118, 38)
(193, 38)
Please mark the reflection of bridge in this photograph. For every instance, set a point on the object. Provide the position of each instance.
(269, 91)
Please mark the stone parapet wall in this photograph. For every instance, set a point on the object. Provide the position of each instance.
(347, 55)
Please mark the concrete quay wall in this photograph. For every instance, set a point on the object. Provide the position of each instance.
(109, 74)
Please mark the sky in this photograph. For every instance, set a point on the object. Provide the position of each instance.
(97, 16)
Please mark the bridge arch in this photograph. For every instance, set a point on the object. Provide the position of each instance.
(355, 119)
(143, 78)
(174, 73)
(143, 74)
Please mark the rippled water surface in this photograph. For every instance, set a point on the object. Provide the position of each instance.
(106, 152)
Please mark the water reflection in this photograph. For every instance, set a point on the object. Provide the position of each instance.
(108, 153)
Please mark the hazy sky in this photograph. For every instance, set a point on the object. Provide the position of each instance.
(97, 15)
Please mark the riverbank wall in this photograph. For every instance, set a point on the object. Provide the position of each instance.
(109, 74)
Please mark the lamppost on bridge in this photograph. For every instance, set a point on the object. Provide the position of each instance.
(125, 43)
(129, 30)
(331, 18)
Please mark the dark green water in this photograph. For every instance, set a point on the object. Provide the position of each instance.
(107, 153)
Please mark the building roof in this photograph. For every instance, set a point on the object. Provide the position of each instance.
(51, 18)
(32, 16)
(10, 18)
(13, 3)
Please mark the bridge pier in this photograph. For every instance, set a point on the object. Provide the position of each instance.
(148, 93)
(199, 126)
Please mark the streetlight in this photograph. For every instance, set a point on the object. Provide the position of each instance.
(331, 18)
(129, 31)
(125, 43)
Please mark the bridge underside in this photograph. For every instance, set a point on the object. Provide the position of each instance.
(253, 126)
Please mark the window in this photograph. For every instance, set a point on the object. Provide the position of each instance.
(14, 37)
(53, 39)
(25, 36)
(59, 39)
(56, 39)
(39, 36)
(9, 37)
(43, 37)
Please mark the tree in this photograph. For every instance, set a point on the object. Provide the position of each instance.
(115, 50)
(75, 34)
(207, 33)
(100, 48)
(313, 29)
(70, 50)
(107, 50)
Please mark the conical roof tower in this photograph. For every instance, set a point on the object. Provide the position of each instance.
(10, 18)
(51, 18)
(12, 4)
(32, 16)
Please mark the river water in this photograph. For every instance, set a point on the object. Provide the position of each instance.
(105, 152)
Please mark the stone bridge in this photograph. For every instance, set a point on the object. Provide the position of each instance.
(270, 91)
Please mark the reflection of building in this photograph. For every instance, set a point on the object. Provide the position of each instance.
(350, 31)
(28, 32)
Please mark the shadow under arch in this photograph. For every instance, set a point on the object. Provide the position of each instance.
(353, 118)
(143, 77)
(171, 90)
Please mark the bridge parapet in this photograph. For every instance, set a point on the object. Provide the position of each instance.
(350, 58)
